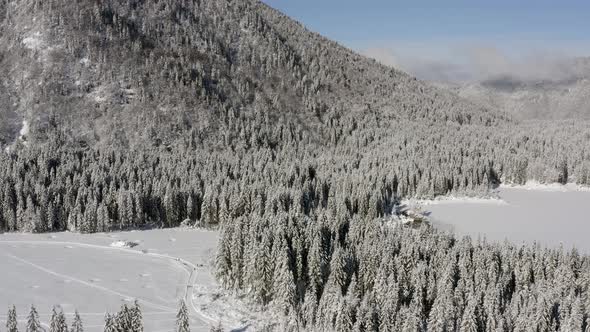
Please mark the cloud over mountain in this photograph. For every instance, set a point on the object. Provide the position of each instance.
(482, 62)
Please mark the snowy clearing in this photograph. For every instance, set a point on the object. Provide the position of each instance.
(551, 215)
(87, 273)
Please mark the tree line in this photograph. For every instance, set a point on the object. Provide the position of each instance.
(128, 319)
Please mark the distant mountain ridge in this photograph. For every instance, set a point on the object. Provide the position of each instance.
(565, 96)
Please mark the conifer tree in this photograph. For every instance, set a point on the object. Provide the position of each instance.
(469, 320)
(189, 207)
(436, 319)
(217, 328)
(284, 285)
(110, 324)
(53, 323)
(11, 320)
(33, 324)
(62, 325)
(136, 318)
(575, 320)
(124, 318)
(182, 318)
(77, 323)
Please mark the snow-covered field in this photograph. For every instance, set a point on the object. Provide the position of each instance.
(551, 215)
(98, 272)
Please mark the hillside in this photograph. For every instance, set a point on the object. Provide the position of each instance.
(114, 86)
(129, 72)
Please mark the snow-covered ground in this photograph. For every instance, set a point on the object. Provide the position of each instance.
(24, 131)
(534, 185)
(551, 215)
(94, 273)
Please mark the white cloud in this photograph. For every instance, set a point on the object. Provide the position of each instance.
(471, 62)
(383, 55)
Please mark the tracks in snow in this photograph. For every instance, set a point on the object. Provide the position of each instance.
(88, 284)
(189, 267)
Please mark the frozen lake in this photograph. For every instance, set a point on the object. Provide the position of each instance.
(87, 273)
(550, 216)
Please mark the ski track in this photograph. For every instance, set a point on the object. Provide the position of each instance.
(189, 267)
(88, 284)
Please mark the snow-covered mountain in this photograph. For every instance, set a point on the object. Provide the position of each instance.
(108, 69)
(566, 96)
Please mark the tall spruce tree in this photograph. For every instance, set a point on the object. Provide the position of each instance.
(11, 320)
(136, 318)
(33, 324)
(77, 325)
(182, 318)
(110, 323)
(53, 323)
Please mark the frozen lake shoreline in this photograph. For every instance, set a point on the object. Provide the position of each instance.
(549, 215)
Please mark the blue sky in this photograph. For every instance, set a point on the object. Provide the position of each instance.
(448, 33)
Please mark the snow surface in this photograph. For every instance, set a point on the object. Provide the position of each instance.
(124, 244)
(34, 41)
(455, 200)
(534, 185)
(551, 215)
(24, 130)
(84, 272)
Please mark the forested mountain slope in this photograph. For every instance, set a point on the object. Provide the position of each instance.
(139, 72)
(228, 114)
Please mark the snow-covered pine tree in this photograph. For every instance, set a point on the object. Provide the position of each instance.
(11, 320)
(62, 325)
(136, 318)
(123, 318)
(171, 206)
(53, 321)
(190, 207)
(207, 213)
(344, 320)
(575, 320)
(33, 324)
(284, 285)
(337, 269)
(316, 266)
(436, 319)
(110, 323)
(217, 328)
(182, 318)
(223, 257)
(77, 323)
(9, 208)
(469, 320)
